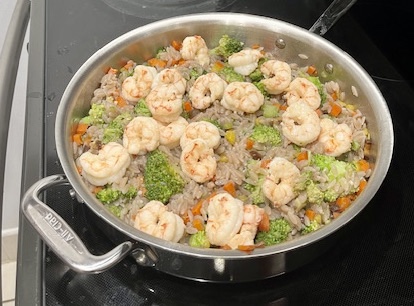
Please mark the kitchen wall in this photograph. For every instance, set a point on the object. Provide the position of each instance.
(11, 196)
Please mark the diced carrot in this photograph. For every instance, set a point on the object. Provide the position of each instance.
(176, 45)
(264, 224)
(79, 169)
(283, 107)
(181, 61)
(112, 71)
(156, 62)
(198, 224)
(188, 107)
(77, 138)
(311, 70)
(87, 140)
(217, 66)
(249, 144)
(276, 104)
(185, 218)
(255, 46)
(226, 247)
(81, 128)
(302, 156)
(230, 187)
(343, 203)
(363, 165)
(319, 112)
(362, 185)
(121, 102)
(96, 189)
(310, 214)
(334, 96)
(196, 209)
(128, 64)
(246, 248)
(265, 162)
(336, 109)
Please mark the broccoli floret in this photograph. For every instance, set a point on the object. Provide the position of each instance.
(108, 195)
(313, 226)
(334, 170)
(355, 146)
(262, 88)
(114, 209)
(256, 192)
(141, 109)
(315, 195)
(115, 129)
(212, 121)
(95, 114)
(161, 179)
(256, 75)
(199, 240)
(160, 51)
(266, 135)
(195, 73)
(131, 193)
(270, 111)
(278, 232)
(230, 75)
(333, 167)
(227, 46)
(315, 80)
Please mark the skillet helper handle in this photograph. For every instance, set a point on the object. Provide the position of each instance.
(60, 237)
(328, 18)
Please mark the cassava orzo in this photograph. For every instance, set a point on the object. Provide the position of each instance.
(222, 146)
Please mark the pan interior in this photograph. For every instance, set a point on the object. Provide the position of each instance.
(298, 46)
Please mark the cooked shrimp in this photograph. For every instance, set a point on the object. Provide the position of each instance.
(280, 180)
(139, 84)
(201, 130)
(305, 90)
(155, 220)
(141, 135)
(206, 89)
(245, 61)
(170, 134)
(164, 103)
(277, 75)
(173, 77)
(197, 161)
(252, 215)
(300, 124)
(225, 217)
(242, 96)
(335, 138)
(195, 48)
(108, 166)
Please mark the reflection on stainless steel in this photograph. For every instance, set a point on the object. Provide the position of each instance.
(328, 18)
(159, 9)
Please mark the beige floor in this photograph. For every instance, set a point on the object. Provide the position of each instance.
(8, 269)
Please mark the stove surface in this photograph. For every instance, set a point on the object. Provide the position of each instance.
(371, 264)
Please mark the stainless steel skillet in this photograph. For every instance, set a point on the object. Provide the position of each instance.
(205, 265)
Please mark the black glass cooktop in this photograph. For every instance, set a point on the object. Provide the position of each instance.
(371, 263)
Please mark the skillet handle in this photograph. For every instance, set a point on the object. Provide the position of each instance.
(331, 15)
(58, 235)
